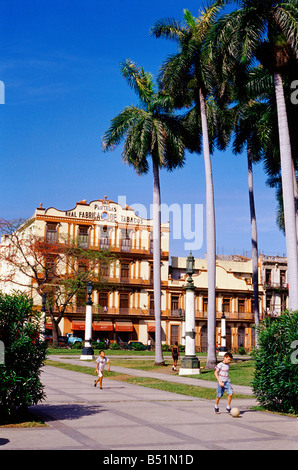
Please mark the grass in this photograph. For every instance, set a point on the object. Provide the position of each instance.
(189, 390)
(241, 373)
(110, 352)
(22, 419)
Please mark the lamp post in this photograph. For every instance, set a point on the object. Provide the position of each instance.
(43, 317)
(87, 351)
(190, 363)
(223, 349)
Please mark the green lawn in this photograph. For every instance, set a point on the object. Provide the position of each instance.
(242, 375)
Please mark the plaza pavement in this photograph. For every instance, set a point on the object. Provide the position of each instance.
(125, 418)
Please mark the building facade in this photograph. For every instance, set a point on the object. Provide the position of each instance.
(123, 309)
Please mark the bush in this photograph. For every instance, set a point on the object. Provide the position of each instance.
(114, 346)
(275, 382)
(20, 384)
(77, 345)
(99, 345)
(241, 350)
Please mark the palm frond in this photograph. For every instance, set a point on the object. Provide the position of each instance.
(286, 17)
(139, 80)
(119, 127)
(169, 28)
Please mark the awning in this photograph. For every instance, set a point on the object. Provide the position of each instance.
(123, 326)
(78, 325)
(102, 326)
(150, 326)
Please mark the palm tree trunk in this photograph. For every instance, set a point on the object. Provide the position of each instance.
(210, 238)
(295, 196)
(288, 193)
(254, 241)
(156, 264)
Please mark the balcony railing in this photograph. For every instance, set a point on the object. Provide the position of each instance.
(275, 285)
(228, 315)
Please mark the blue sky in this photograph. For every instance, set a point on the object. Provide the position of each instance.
(60, 66)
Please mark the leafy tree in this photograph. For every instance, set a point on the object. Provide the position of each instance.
(149, 130)
(20, 384)
(60, 269)
(275, 382)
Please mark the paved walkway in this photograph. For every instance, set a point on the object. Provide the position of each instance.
(125, 418)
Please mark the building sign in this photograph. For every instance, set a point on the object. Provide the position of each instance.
(105, 212)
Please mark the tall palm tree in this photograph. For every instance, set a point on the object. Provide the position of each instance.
(268, 31)
(248, 114)
(187, 76)
(151, 129)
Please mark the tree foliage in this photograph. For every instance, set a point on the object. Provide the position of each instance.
(20, 384)
(59, 268)
(276, 375)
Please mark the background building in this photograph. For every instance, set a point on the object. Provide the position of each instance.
(123, 307)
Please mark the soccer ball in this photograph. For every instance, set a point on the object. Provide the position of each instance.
(235, 412)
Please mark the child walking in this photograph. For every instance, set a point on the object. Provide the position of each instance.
(175, 355)
(101, 361)
(222, 375)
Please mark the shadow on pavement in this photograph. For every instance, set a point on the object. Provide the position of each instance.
(65, 411)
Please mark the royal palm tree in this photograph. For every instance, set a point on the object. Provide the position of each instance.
(248, 115)
(149, 130)
(187, 76)
(268, 31)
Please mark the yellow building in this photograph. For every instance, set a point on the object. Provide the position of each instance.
(124, 310)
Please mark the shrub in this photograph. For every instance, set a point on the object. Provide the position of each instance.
(114, 346)
(241, 350)
(275, 382)
(20, 384)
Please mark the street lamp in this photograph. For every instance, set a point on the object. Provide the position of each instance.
(190, 263)
(43, 317)
(223, 349)
(190, 363)
(87, 351)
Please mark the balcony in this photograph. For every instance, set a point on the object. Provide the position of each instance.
(228, 315)
(275, 285)
(97, 310)
(105, 244)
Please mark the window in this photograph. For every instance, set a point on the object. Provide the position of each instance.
(151, 273)
(241, 305)
(268, 302)
(125, 240)
(51, 233)
(241, 337)
(50, 266)
(103, 300)
(124, 303)
(268, 276)
(124, 272)
(83, 238)
(205, 304)
(226, 305)
(104, 242)
(175, 305)
(283, 278)
(151, 304)
(174, 334)
(104, 270)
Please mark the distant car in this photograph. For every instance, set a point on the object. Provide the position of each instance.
(136, 345)
(73, 339)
